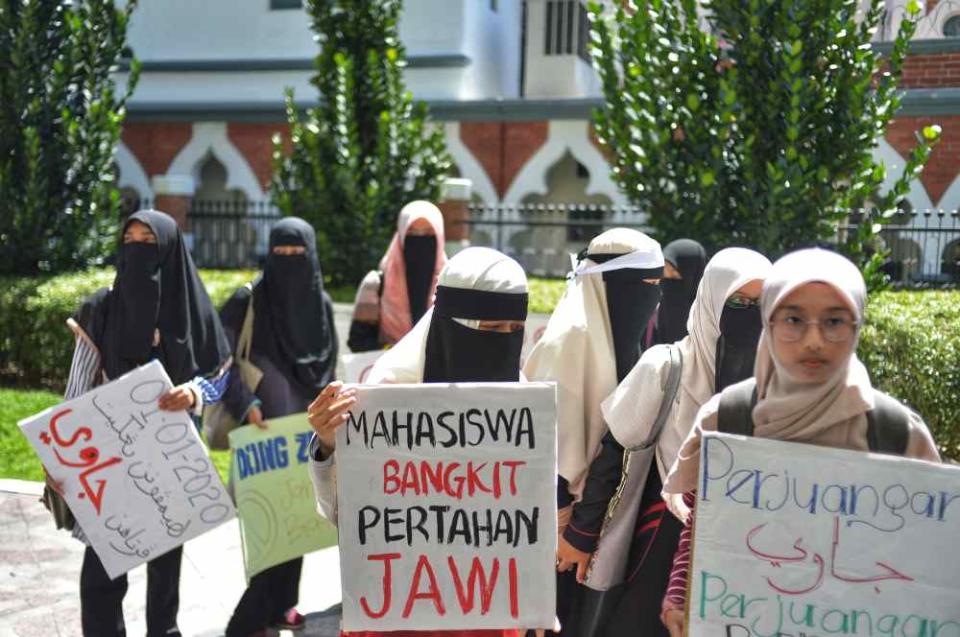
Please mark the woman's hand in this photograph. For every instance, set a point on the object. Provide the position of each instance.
(255, 418)
(672, 618)
(569, 556)
(329, 411)
(179, 398)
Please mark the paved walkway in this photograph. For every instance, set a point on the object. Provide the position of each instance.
(40, 569)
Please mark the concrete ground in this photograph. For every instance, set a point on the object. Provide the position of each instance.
(40, 571)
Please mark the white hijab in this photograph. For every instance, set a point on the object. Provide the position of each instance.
(631, 409)
(576, 350)
(482, 269)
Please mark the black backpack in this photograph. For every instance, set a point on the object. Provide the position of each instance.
(888, 423)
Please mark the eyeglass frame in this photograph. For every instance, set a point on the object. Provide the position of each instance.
(819, 323)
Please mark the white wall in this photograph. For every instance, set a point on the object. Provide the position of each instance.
(209, 30)
(553, 75)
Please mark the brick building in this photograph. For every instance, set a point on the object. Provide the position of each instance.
(508, 80)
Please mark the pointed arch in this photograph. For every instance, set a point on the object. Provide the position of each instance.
(210, 138)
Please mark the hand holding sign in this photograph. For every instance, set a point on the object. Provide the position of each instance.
(329, 411)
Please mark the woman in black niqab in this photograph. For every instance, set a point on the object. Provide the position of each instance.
(689, 259)
(157, 308)
(289, 304)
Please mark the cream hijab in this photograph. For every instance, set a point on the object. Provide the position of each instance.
(576, 350)
(482, 269)
(631, 409)
(830, 413)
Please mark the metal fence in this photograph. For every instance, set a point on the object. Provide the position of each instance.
(924, 244)
(541, 237)
(231, 234)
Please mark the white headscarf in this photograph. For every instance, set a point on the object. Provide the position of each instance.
(631, 409)
(576, 350)
(482, 269)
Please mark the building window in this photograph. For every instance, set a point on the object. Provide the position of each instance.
(568, 28)
(951, 28)
(286, 4)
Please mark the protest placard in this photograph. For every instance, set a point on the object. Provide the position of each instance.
(447, 507)
(795, 539)
(275, 501)
(356, 367)
(138, 480)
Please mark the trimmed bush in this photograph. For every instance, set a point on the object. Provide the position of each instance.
(911, 343)
(35, 344)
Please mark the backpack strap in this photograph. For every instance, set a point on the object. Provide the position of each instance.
(666, 403)
(735, 415)
(888, 426)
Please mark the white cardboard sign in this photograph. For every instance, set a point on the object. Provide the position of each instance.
(138, 480)
(447, 507)
(794, 539)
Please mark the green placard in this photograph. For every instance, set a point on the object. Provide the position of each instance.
(274, 495)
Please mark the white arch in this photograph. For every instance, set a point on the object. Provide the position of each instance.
(470, 168)
(132, 174)
(564, 136)
(210, 138)
(895, 165)
(919, 198)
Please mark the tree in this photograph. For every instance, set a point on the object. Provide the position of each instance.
(752, 121)
(60, 121)
(365, 151)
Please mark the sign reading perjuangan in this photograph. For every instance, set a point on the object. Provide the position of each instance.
(138, 480)
(447, 507)
(795, 540)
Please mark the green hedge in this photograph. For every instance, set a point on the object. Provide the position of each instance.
(911, 343)
(35, 344)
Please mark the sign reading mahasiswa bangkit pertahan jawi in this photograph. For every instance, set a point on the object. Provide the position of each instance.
(447, 507)
(798, 540)
(274, 496)
(138, 480)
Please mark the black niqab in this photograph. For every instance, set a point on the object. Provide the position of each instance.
(291, 325)
(156, 288)
(737, 346)
(690, 259)
(419, 260)
(456, 353)
(631, 303)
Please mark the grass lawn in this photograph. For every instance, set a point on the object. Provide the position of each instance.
(17, 459)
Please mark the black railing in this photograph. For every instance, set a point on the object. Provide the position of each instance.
(542, 236)
(924, 244)
(232, 233)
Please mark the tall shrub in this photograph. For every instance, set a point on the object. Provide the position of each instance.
(60, 121)
(366, 149)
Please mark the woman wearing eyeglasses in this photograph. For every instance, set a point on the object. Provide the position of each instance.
(724, 326)
(809, 387)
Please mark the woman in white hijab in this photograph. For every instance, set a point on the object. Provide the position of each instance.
(473, 332)
(723, 331)
(809, 385)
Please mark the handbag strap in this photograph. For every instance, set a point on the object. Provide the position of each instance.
(246, 332)
(666, 403)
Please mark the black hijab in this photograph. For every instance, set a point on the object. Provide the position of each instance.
(419, 260)
(458, 353)
(690, 259)
(631, 303)
(291, 326)
(156, 288)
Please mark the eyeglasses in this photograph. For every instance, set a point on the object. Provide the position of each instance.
(741, 303)
(792, 329)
